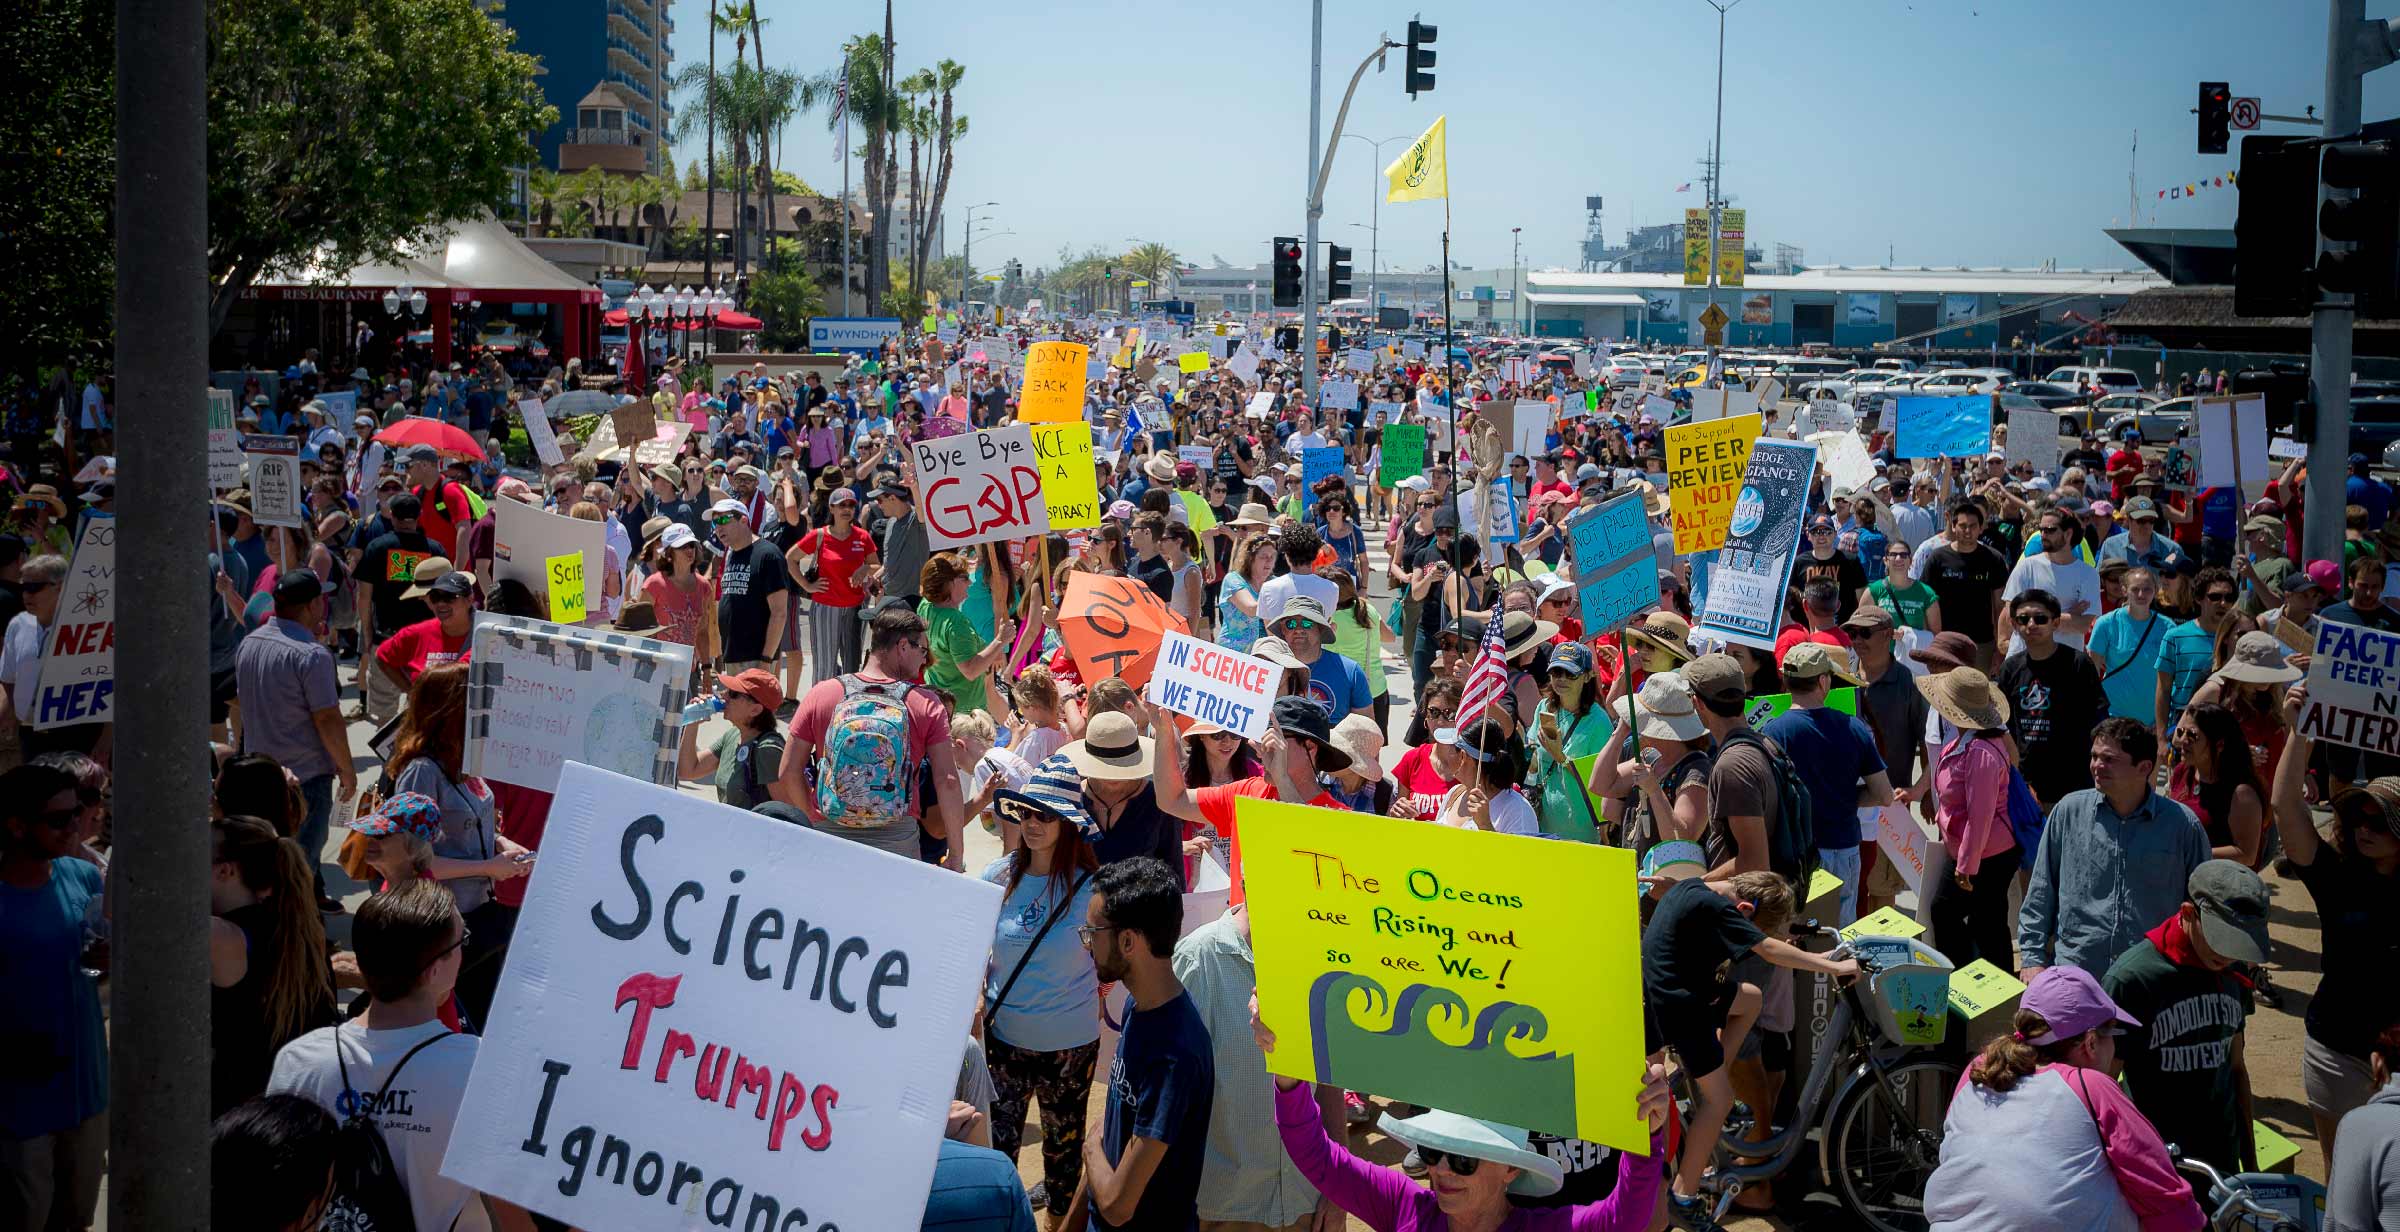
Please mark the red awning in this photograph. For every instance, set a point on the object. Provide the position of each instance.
(738, 320)
(614, 316)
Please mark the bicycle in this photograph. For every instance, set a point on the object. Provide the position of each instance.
(2256, 1201)
(1879, 1135)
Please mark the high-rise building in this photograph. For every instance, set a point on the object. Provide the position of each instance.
(583, 44)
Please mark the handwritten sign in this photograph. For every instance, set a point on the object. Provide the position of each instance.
(78, 680)
(1888, 922)
(635, 421)
(1477, 972)
(1614, 572)
(1322, 462)
(2354, 688)
(1980, 987)
(790, 1049)
(1403, 453)
(1054, 378)
(275, 495)
(1214, 685)
(1360, 360)
(224, 447)
(1705, 462)
(1844, 457)
(1112, 626)
(1958, 427)
(1746, 585)
(1903, 841)
(1062, 453)
(979, 487)
(566, 587)
(538, 433)
(541, 694)
(2033, 438)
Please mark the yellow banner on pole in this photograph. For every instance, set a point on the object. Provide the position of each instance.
(1695, 248)
(1054, 376)
(1732, 229)
(1062, 455)
(1705, 463)
(1492, 975)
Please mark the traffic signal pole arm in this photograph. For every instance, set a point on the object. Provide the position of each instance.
(1316, 198)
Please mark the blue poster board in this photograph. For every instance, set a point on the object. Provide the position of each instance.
(1616, 569)
(1609, 533)
(1316, 464)
(1958, 427)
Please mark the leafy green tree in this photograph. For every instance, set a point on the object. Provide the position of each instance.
(784, 295)
(60, 218)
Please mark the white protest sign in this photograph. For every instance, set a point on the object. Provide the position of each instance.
(1384, 412)
(275, 496)
(79, 649)
(1338, 395)
(541, 694)
(1214, 685)
(783, 1041)
(1767, 392)
(1412, 349)
(1360, 360)
(2231, 426)
(1243, 365)
(1262, 405)
(1730, 403)
(224, 447)
(1198, 455)
(979, 486)
(524, 538)
(537, 430)
(2354, 688)
(2284, 449)
(2033, 438)
(1530, 428)
(1845, 459)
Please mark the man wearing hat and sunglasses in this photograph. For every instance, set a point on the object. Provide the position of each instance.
(1836, 755)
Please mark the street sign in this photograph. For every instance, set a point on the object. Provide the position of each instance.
(1713, 318)
(2243, 115)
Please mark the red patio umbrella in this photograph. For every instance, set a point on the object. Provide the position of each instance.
(738, 320)
(451, 441)
(631, 366)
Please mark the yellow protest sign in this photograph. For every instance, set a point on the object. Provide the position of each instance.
(566, 587)
(1492, 975)
(1054, 375)
(1705, 463)
(1062, 455)
(1192, 361)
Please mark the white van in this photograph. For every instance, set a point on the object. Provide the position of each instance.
(2110, 380)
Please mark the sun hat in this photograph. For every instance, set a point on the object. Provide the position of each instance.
(2233, 909)
(1450, 1133)
(44, 494)
(2072, 1002)
(1160, 468)
(2264, 522)
(1299, 716)
(1551, 586)
(1361, 741)
(1809, 660)
(1113, 749)
(412, 811)
(1675, 860)
(428, 571)
(1665, 631)
(1948, 649)
(1277, 651)
(1254, 514)
(1041, 799)
(1966, 697)
(1519, 633)
(1667, 709)
(2258, 659)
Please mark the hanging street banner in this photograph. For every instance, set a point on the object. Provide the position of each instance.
(1732, 225)
(712, 1018)
(1705, 462)
(2353, 688)
(542, 694)
(1746, 585)
(1492, 975)
(1695, 248)
(78, 678)
(857, 335)
(978, 487)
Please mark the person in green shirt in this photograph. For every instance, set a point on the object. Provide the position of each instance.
(1912, 602)
(2264, 568)
(1567, 725)
(957, 658)
(2185, 1065)
(1358, 637)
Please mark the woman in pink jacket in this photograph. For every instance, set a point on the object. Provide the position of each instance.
(1971, 919)
(2039, 1136)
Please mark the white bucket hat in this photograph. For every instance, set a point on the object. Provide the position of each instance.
(1538, 1175)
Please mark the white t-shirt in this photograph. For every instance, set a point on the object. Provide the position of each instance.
(1280, 590)
(418, 1113)
(1305, 440)
(2071, 581)
(1511, 812)
(21, 663)
(1039, 744)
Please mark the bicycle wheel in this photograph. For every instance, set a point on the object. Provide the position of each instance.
(1884, 1140)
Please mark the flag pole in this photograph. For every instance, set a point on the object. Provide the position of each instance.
(1449, 371)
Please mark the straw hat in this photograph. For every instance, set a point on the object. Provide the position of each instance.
(1520, 633)
(1538, 1175)
(1966, 697)
(44, 494)
(1112, 749)
(1358, 736)
(1160, 468)
(1665, 631)
(1254, 515)
(2258, 659)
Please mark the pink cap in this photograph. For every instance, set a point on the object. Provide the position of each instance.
(2328, 575)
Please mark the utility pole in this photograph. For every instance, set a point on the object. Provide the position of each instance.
(1516, 311)
(1316, 205)
(159, 1038)
(1716, 163)
(967, 257)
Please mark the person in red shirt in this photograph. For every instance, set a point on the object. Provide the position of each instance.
(841, 547)
(430, 643)
(1418, 784)
(1820, 608)
(1546, 479)
(1297, 747)
(447, 513)
(2124, 465)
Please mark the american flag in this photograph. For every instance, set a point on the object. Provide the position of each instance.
(1686, 186)
(1487, 679)
(841, 107)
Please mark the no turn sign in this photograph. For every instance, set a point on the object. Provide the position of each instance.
(2243, 114)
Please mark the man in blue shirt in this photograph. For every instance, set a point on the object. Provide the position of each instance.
(1336, 684)
(1143, 1169)
(2365, 606)
(1835, 754)
(2367, 492)
(2140, 543)
(976, 1189)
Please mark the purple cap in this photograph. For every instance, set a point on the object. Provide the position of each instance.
(2070, 1000)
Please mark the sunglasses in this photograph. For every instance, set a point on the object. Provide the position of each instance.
(1439, 716)
(720, 519)
(1295, 625)
(2218, 596)
(1025, 814)
(1459, 1165)
(464, 934)
(2034, 619)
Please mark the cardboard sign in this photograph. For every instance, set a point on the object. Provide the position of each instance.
(541, 694)
(784, 1041)
(1214, 685)
(1731, 402)
(1746, 585)
(1903, 841)
(979, 487)
(275, 495)
(1403, 453)
(537, 431)
(2354, 688)
(1054, 379)
(224, 446)
(1360, 360)
(565, 574)
(1062, 453)
(2033, 438)
(1486, 974)
(634, 422)
(1958, 427)
(2232, 438)
(525, 540)
(1705, 462)
(1507, 519)
(78, 680)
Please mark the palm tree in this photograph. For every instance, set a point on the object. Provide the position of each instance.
(947, 128)
(874, 105)
(776, 91)
(916, 118)
(708, 232)
(1152, 261)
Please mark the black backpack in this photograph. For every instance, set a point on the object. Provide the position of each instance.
(1792, 840)
(369, 1193)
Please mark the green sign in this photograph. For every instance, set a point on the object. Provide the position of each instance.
(1403, 453)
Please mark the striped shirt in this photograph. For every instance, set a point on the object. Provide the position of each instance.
(2186, 658)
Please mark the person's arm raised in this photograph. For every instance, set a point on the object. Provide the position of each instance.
(2287, 799)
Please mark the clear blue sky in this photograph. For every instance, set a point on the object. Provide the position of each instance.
(1944, 132)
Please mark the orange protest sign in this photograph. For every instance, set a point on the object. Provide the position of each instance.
(1112, 627)
(1054, 376)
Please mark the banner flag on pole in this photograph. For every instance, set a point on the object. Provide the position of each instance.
(1422, 172)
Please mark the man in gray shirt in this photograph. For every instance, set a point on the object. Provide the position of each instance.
(903, 549)
(2362, 1194)
(2114, 859)
(291, 707)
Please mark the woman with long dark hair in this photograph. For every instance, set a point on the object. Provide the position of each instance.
(2215, 777)
(1041, 1023)
(268, 980)
(428, 757)
(256, 785)
(831, 557)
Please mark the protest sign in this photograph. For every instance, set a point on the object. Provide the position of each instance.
(633, 422)
(1412, 349)
(1614, 573)
(537, 431)
(2284, 449)
(341, 406)
(2033, 438)
(1315, 464)
(1705, 462)
(1191, 361)
(1403, 453)
(541, 694)
(1338, 395)
(1519, 937)
(1262, 405)
(1731, 402)
(1746, 585)
(275, 495)
(2354, 688)
(1360, 360)
(1054, 379)
(525, 540)
(1198, 455)
(1507, 519)
(1770, 706)
(224, 447)
(1904, 842)
(792, 1049)
(1112, 626)
(2232, 438)
(566, 587)
(1958, 427)
(1062, 453)
(1214, 685)
(79, 650)
(979, 487)
(1845, 459)
(1530, 428)
(1243, 365)
(1384, 412)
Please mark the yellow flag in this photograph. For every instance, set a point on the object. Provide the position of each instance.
(1422, 172)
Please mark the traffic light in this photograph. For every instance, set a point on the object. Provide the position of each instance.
(1287, 272)
(1337, 272)
(2216, 115)
(1287, 339)
(1419, 77)
(2274, 229)
(2369, 221)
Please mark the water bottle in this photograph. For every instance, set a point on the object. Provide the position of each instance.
(703, 708)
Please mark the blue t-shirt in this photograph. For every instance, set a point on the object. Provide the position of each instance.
(50, 1021)
(2162, 554)
(976, 1189)
(2132, 687)
(1338, 686)
(2187, 655)
(1162, 1086)
(479, 410)
(1833, 752)
(1055, 1004)
(2370, 495)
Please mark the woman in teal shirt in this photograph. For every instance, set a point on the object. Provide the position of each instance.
(1567, 725)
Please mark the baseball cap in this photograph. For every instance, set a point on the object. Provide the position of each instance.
(456, 584)
(1716, 677)
(2139, 508)
(758, 685)
(732, 506)
(2264, 522)
(677, 535)
(2233, 909)
(2328, 575)
(2072, 1002)
(1809, 660)
(1868, 616)
(299, 586)
(419, 453)
(1820, 522)
(2358, 459)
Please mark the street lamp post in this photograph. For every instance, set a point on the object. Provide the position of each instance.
(1516, 311)
(966, 259)
(1375, 216)
(1716, 162)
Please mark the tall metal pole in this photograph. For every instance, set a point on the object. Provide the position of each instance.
(1316, 208)
(2329, 326)
(159, 1037)
(1375, 230)
(847, 310)
(1516, 311)
(1716, 165)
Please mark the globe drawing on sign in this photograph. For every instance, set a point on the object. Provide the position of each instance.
(622, 735)
(1749, 509)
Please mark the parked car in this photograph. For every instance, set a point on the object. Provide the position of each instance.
(2375, 426)
(2159, 422)
(2114, 380)
(2048, 396)
(1950, 382)
(2094, 416)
